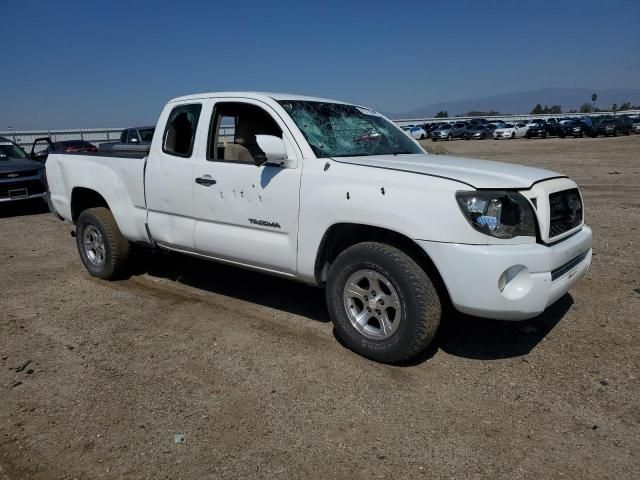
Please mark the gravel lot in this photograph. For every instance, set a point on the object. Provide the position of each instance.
(246, 366)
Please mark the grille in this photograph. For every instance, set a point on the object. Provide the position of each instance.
(28, 173)
(33, 187)
(565, 210)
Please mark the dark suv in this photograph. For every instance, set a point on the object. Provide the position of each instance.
(575, 128)
(613, 126)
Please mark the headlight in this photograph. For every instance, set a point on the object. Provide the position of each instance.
(498, 213)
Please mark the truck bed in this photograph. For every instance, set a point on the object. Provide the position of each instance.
(118, 177)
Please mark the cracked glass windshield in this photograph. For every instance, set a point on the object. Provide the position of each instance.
(338, 130)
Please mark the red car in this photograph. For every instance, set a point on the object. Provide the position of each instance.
(42, 147)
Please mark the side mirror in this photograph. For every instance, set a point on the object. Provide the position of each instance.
(275, 152)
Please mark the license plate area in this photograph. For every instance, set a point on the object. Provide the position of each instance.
(18, 193)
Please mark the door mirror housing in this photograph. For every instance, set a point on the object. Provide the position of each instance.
(275, 151)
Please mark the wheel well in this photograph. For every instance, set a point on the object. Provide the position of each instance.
(343, 235)
(84, 198)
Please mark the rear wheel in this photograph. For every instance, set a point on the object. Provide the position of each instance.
(382, 303)
(103, 249)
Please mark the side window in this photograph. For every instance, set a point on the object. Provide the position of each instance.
(180, 133)
(233, 130)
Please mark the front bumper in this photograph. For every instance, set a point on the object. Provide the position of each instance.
(23, 197)
(23, 188)
(510, 282)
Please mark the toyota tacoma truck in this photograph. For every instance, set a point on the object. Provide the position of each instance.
(333, 195)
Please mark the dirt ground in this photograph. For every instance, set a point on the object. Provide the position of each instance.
(247, 368)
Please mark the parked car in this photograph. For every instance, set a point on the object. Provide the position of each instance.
(476, 121)
(135, 139)
(415, 132)
(575, 128)
(534, 122)
(430, 127)
(392, 233)
(449, 131)
(636, 125)
(20, 177)
(42, 147)
(478, 132)
(554, 129)
(538, 129)
(613, 126)
(510, 130)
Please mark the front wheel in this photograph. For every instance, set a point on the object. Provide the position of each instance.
(422, 137)
(382, 303)
(102, 247)
(448, 137)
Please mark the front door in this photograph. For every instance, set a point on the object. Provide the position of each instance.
(245, 213)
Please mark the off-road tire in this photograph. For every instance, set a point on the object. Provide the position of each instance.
(421, 308)
(117, 247)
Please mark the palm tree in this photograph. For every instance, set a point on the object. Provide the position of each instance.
(594, 97)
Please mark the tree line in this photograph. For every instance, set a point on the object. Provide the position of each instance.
(546, 110)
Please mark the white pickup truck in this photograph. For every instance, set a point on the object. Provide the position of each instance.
(334, 195)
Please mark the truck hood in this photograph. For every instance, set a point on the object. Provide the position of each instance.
(473, 172)
(12, 165)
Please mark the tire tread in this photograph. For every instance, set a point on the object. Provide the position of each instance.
(119, 247)
(425, 295)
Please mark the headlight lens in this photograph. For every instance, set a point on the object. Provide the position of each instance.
(500, 214)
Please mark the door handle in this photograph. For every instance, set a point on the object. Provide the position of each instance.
(207, 182)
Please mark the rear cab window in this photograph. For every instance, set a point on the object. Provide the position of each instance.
(180, 132)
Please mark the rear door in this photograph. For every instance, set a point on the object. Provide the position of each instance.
(169, 176)
(245, 213)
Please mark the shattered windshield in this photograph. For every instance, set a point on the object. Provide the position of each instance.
(339, 130)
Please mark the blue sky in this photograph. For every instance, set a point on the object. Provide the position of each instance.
(114, 63)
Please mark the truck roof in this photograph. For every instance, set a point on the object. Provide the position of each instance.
(256, 96)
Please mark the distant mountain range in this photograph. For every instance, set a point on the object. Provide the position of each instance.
(523, 102)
